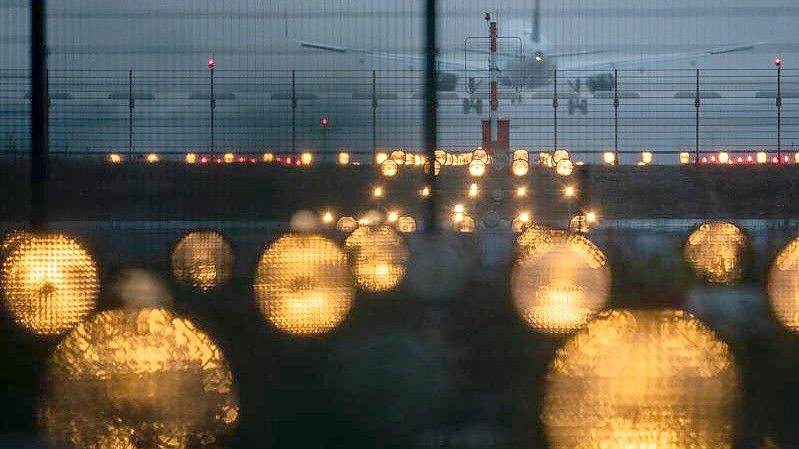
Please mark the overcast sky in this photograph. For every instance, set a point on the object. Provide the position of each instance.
(249, 34)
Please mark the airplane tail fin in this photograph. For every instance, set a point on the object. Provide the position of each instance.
(536, 35)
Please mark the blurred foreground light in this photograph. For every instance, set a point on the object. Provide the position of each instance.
(560, 155)
(268, 157)
(564, 167)
(303, 285)
(406, 224)
(609, 157)
(304, 221)
(152, 158)
(545, 159)
(50, 283)
(458, 208)
(229, 158)
(591, 217)
(521, 155)
(380, 157)
(463, 223)
(558, 287)
(480, 155)
(646, 158)
(343, 158)
(724, 157)
(520, 167)
(191, 158)
(642, 379)
(137, 288)
(306, 158)
(378, 257)
(796, 157)
(392, 216)
(579, 224)
(328, 217)
(203, 260)
(371, 217)
(474, 190)
(425, 192)
(142, 379)
(346, 224)
(685, 157)
(761, 157)
(569, 191)
(783, 286)
(377, 192)
(398, 156)
(521, 192)
(389, 168)
(477, 168)
(114, 158)
(715, 252)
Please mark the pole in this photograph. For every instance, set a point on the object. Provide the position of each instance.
(212, 104)
(616, 113)
(374, 113)
(555, 108)
(697, 105)
(131, 105)
(493, 98)
(294, 112)
(779, 109)
(39, 117)
(431, 112)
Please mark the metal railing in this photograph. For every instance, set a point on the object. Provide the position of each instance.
(252, 111)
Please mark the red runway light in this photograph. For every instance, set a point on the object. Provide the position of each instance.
(704, 160)
(778, 61)
(204, 160)
(323, 122)
(211, 63)
(253, 160)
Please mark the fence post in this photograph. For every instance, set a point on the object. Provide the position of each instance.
(294, 112)
(555, 108)
(39, 117)
(131, 105)
(212, 102)
(374, 113)
(431, 112)
(616, 113)
(778, 63)
(697, 105)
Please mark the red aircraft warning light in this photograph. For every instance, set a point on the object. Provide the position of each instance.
(211, 62)
(778, 61)
(324, 121)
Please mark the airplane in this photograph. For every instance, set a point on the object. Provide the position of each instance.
(531, 67)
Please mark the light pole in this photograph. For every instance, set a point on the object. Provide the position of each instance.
(778, 101)
(212, 101)
(39, 118)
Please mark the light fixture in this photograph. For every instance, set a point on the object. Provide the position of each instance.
(302, 284)
(406, 224)
(380, 157)
(389, 168)
(724, 157)
(641, 379)
(377, 192)
(229, 158)
(343, 158)
(152, 158)
(392, 216)
(474, 190)
(569, 191)
(560, 155)
(564, 167)
(328, 217)
(378, 258)
(459, 208)
(609, 157)
(268, 157)
(425, 192)
(306, 158)
(685, 157)
(761, 157)
(203, 260)
(477, 168)
(49, 282)
(591, 217)
(114, 158)
(398, 157)
(646, 157)
(346, 224)
(521, 192)
(191, 158)
(144, 378)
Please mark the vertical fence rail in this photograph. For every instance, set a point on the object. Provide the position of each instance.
(39, 119)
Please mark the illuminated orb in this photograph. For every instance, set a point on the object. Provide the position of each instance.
(477, 168)
(346, 224)
(561, 283)
(50, 283)
(378, 256)
(398, 156)
(143, 379)
(303, 285)
(560, 155)
(344, 158)
(715, 252)
(389, 168)
(520, 167)
(641, 380)
(564, 167)
(203, 259)
(783, 286)
(406, 224)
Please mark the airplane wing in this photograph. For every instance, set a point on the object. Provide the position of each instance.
(642, 61)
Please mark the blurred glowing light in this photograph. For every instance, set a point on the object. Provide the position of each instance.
(406, 224)
(557, 288)
(521, 155)
(228, 158)
(560, 155)
(459, 208)
(783, 286)
(152, 158)
(564, 167)
(304, 220)
(796, 157)
(306, 158)
(521, 192)
(378, 257)
(138, 379)
(114, 158)
(579, 224)
(715, 252)
(524, 217)
(191, 158)
(646, 157)
(642, 379)
(520, 167)
(398, 157)
(203, 259)
(346, 224)
(377, 192)
(380, 157)
(569, 191)
(49, 283)
(724, 157)
(591, 217)
(609, 157)
(303, 285)
(268, 157)
(392, 216)
(685, 157)
(328, 217)
(425, 192)
(477, 168)
(761, 157)
(464, 224)
(343, 158)
(480, 155)
(389, 168)
(474, 190)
